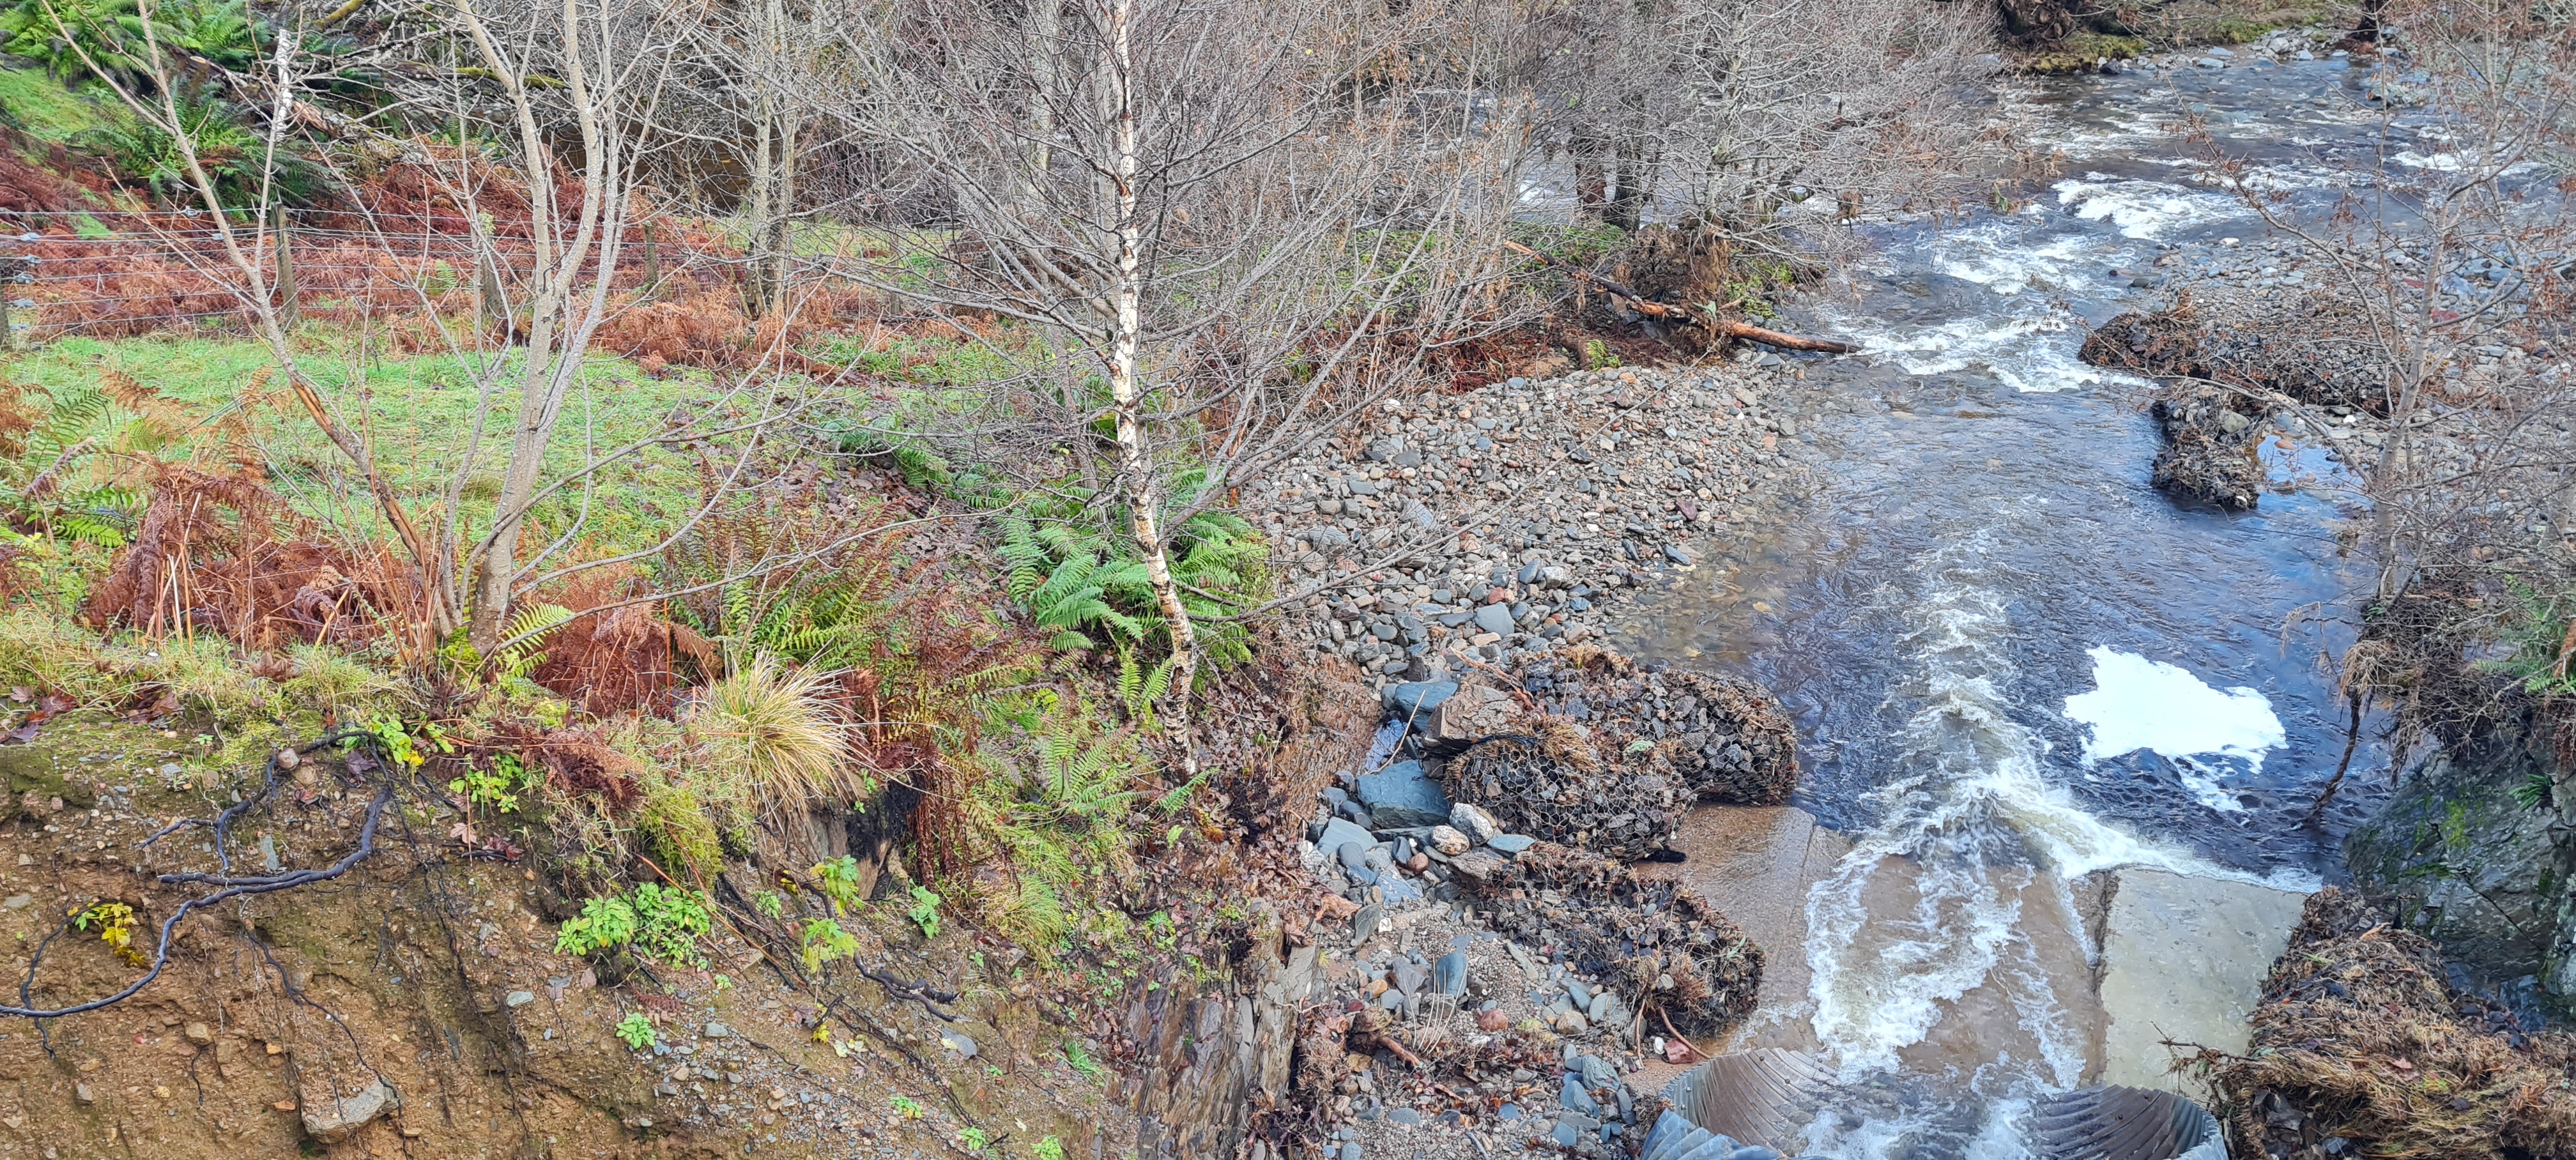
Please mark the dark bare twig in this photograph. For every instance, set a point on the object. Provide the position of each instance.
(233, 887)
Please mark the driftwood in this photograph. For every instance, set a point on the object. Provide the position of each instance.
(1727, 328)
(1746, 330)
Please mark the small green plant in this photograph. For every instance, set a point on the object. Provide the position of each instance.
(606, 923)
(1081, 1061)
(924, 912)
(2533, 792)
(1050, 1148)
(769, 903)
(907, 1107)
(114, 922)
(839, 880)
(673, 920)
(398, 744)
(660, 923)
(638, 1031)
(499, 787)
(826, 942)
(973, 1139)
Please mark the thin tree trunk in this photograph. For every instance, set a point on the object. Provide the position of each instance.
(1135, 459)
(1045, 29)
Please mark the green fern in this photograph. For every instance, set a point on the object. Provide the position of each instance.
(529, 627)
(1139, 690)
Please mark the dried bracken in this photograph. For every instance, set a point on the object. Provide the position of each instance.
(2358, 1040)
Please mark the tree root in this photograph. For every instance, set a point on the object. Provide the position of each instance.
(233, 886)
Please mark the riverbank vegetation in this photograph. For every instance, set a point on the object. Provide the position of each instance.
(770, 470)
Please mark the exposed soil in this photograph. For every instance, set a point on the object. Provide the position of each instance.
(429, 970)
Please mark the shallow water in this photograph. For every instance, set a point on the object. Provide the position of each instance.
(2013, 662)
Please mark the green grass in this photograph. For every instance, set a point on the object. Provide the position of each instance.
(417, 412)
(48, 110)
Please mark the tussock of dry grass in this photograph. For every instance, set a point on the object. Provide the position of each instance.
(773, 725)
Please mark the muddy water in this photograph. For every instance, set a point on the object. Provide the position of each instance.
(2018, 669)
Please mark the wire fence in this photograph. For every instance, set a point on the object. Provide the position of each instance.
(122, 273)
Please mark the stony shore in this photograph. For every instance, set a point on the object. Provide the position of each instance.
(1459, 530)
(1466, 552)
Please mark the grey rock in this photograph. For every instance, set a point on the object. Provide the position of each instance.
(1474, 822)
(1580, 995)
(519, 998)
(1403, 795)
(1420, 516)
(959, 1043)
(1607, 1010)
(1449, 974)
(1350, 1150)
(1565, 1135)
(1595, 1073)
(1366, 922)
(1753, 1152)
(1512, 843)
(1338, 832)
(1448, 842)
(1412, 699)
(1403, 1116)
(1674, 553)
(1494, 618)
(1575, 1099)
(718, 1031)
(1384, 450)
(1360, 486)
(333, 1119)
(1508, 1113)
(1354, 858)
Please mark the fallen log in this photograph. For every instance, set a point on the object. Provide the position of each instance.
(1725, 327)
(1746, 330)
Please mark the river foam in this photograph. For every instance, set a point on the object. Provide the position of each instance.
(2139, 704)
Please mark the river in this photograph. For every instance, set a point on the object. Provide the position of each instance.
(2015, 664)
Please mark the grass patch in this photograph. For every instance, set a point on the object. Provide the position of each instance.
(45, 109)
(417, 411)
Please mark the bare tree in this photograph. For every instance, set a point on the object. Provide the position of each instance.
(585, 77)
(2444, 268)
(1238, 243)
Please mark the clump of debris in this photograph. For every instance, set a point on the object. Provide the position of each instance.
(1650, 944)
(2361, 1049)
(1593, 751)
(1480, 980)
(2208, 456)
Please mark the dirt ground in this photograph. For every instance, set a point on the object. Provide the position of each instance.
(422, 987)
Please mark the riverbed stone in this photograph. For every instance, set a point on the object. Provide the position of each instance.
(1474, 822)
(330, 1118)
(1412, 700)
(1403, 795)
(1339, 832)
(2183, 959)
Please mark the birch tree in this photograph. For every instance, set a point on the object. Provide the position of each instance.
(1238, 237)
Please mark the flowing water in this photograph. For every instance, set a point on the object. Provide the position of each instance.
(2014, 663)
